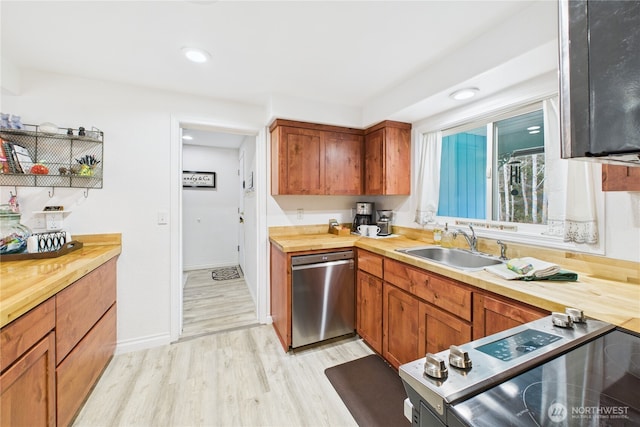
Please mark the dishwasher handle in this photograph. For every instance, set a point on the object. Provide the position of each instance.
(324, 265)
(321, 258)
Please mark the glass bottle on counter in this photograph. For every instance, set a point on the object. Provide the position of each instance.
(437, 233)
(447, 237)
(13, 235)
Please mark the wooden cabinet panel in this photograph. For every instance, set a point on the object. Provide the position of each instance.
(620, 178)
(281, 296)
(401, 313)
(439, 291)
(343, 163)
(369, 309)
(370, 262)
(79, 306)
(374, 162)
(314, 159)
(492, 315)
(27, 388)
(24, 332)
(440, 330)
(300, 169)
(77, 374)
(388, 159)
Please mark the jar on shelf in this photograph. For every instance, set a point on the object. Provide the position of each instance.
(13, 235)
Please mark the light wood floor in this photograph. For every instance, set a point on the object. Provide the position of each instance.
(212, 306)
(234, 378)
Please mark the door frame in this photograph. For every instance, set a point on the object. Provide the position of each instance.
(175, 219)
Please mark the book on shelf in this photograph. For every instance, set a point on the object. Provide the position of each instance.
(10, 157)
(15, 157)
(23, 157)
(4, 158)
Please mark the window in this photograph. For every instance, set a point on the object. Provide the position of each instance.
(494, 170)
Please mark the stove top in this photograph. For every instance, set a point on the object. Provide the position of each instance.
(494, 359)
(595, 384)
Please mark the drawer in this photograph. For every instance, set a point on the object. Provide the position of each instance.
(81, 305)
(78, 373)
(23, 333)
(444, 293)
(370, 262)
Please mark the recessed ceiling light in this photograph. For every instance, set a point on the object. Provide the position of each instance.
(465, 93)
(196, 55)
(533, 128)
(534, 131)
(187, 137)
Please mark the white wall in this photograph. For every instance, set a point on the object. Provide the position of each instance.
(251, 250)
(210, 216)
(137, 181)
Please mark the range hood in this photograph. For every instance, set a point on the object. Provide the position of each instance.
(600, 80)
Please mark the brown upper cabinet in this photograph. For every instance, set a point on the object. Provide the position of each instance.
(620, 178)
(387, 159)
(314, 159)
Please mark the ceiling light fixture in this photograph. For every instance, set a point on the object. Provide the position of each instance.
(193, 54)
(187, 137)
(533, 132)
(466, 93)
(533, 128)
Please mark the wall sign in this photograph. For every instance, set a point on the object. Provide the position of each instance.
(193, 179)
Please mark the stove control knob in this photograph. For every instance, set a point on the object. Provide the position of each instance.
(459, 358)
(562, 320)
(577, 316)
(435, 367)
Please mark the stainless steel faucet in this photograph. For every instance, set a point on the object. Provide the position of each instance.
(503, 250)
(471, 240)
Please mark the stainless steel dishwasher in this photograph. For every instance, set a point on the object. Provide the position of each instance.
(323, 297)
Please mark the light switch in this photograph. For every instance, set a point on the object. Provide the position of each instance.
(163, 217)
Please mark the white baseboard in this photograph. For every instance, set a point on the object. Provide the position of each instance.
(136, 344)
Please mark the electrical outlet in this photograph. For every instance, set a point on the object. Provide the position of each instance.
(54, 221)
(300, 213)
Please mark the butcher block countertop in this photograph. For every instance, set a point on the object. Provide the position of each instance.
(607, 289)
(26, 283)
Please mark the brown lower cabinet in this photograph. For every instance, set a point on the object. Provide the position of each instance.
(492, 314)
(440, 330)
(369, 309)
(405, 312)
(78, 325)
(401, 318)
(27, 382)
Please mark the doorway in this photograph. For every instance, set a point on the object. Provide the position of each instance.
(217, 294)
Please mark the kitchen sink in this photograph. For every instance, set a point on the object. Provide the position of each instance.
(457, 258)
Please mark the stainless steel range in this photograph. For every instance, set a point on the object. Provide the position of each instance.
(562, 370)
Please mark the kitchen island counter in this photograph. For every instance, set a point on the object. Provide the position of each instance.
(24, 284)
(607, 289)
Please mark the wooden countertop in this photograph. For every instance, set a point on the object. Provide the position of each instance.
(610, 300)
(26, 283)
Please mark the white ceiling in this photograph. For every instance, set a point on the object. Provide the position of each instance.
(358, 54)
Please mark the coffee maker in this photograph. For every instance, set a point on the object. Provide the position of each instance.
(384, 222)
(364, 215)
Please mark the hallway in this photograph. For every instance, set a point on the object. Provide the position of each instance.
(216, 300)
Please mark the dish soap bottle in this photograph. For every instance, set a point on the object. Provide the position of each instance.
(437, 234)
(447, 237)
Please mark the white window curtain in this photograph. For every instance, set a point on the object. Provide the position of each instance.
(428, 184)
(568, 186)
